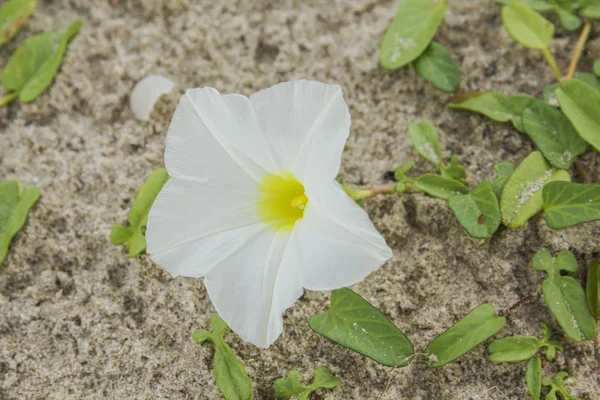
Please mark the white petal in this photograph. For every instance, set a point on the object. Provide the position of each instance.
(215, 139)
(186, 211)
(306, 124)
(196, 258)
(146, 93)
(335, 243)
(252, 287)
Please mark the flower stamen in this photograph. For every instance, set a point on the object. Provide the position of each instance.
(281, 201)
(300, 202)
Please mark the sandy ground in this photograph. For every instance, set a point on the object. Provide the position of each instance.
(80, 320)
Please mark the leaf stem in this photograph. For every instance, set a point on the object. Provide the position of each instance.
(583, 37)
(8, 98)
(552, 63)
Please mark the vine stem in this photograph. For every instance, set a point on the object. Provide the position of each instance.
(365, 193)
(8, 98)
(552, 63)
(583, 37)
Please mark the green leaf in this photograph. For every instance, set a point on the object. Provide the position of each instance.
(522, 195)
(33, 66)
(568, 20)
(440, 187)
(14, 206)
(230, 373)
(13, 14)
(436, 66)
(401, 171)
(550, 94)
(520, 348)
(590, 79)
(472, 329)
(593, 288)
(597, 67)
(138, 215)
(553, 134)
(538, 5)
(411, 31)
(504, 170)
(514, 348)
(478, 212)
(495, 106)
(564, 295)
(354, 323)
(290, 387)
(591, 11)
(455, 170)
(567, 204)
(527, 26)
(424, 138)
(580, 102)
(557, 385)
(533, 376)
(324, 379)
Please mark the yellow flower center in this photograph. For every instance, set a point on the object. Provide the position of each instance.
(282, 201)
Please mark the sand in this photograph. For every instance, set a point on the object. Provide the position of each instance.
(80, 320)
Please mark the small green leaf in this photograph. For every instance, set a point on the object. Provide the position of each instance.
(424, 138)
(580, 102)
(472, 329)
(514, 348)
(564, 295)
(14, 207)
(290, 387)
(411, 31)
(436, 66)
(230, 373)
(557, 385)
(495, 106)
(527, 26)
(547, 332)
(138, 215)
(13, 15)
(324, 379)
(591, 11)
(33, 66)
(590, 79)
(597, 67)
(440, 187)
(478, 212)
(455, 170)
(533, 376)
(567, 204)
(553, 134)
(354, 323)
(568, 20)
(522, 195)
(520, 348)
(504, 170)
(593, 288)
(401, 171)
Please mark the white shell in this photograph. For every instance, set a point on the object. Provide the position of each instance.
(146, 92)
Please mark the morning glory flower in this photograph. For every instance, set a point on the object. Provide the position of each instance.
(253, 206)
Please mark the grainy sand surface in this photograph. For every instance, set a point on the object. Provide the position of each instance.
(80, 320)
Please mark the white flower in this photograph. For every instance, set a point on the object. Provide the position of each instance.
(253, 205)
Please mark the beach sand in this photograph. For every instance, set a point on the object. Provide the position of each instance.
(80, 320)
